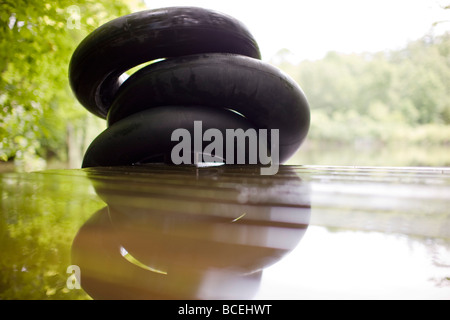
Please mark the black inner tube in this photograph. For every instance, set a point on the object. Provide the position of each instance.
(128, 41)
(210, 65)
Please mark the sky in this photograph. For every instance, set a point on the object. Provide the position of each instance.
(310, 29)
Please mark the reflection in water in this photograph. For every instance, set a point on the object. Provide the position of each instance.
(188, 233)
(379, 233)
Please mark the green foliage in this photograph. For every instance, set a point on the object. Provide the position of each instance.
(386, 97)
(37, 39)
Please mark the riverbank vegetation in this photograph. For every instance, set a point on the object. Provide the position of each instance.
(400, 96)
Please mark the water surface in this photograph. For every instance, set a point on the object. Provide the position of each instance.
(170, 232)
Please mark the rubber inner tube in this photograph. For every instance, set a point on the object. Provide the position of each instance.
(257, 90)
(123, 43)
(145, 136)
(204, 67)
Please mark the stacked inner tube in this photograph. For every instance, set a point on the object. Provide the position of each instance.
(205, 66)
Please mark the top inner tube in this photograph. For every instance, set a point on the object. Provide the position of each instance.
(115, 47)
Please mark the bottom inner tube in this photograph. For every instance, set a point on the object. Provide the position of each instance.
(181, 135)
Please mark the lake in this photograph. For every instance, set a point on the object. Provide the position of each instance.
(317, 153)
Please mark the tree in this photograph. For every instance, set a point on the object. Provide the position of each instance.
(379, 97)
(37, 39)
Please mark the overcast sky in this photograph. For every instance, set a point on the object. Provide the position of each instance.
(311, 28)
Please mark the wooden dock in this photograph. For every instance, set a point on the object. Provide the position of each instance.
(226, 232)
